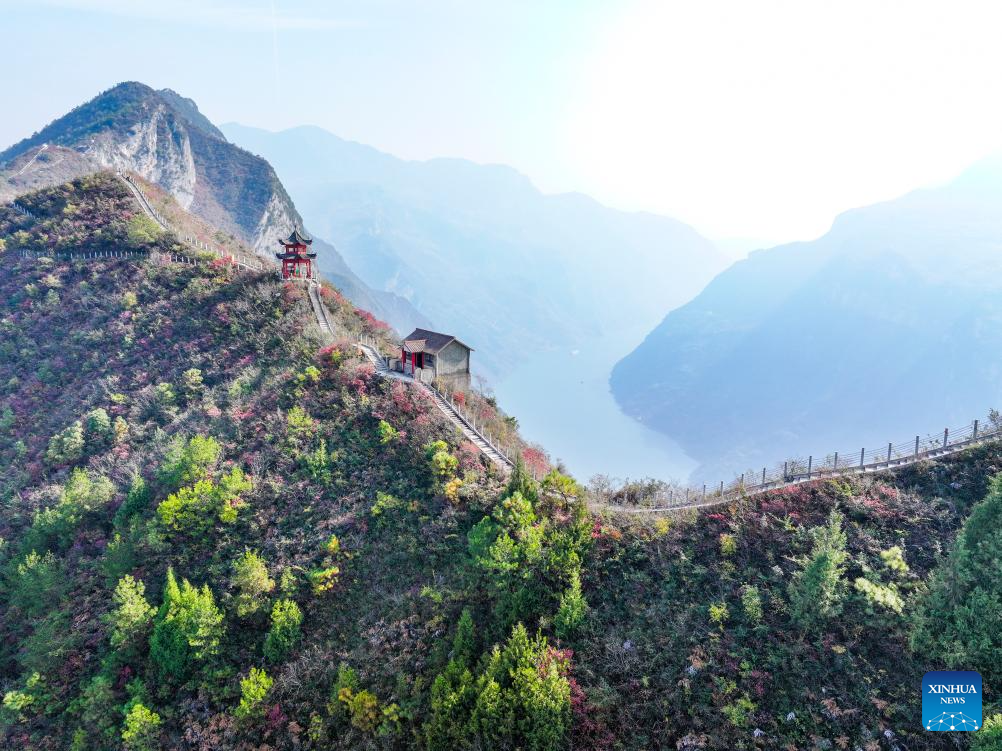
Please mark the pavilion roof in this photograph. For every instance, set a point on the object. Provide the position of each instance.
(297, 238)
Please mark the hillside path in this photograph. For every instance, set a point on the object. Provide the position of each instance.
(452, 414)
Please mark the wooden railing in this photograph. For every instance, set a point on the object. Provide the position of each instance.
(836, 464)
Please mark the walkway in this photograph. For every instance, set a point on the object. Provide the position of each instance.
(446, 407)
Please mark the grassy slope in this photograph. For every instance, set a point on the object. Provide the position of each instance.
(649, 668)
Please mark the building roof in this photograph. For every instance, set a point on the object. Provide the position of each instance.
(297, 238)
(432, 342)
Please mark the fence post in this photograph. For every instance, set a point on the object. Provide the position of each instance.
(862, 456)
(889, 454)
(975, 430)
(916, 445)
(836, 461)
(742, 479)
(704, 492)
(810, 461)
(786, 472)
(946, 437)
(763, 475)
(721, 487)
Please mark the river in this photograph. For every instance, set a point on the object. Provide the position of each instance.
(562, 401)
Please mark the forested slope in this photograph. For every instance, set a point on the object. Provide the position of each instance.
(219, 535)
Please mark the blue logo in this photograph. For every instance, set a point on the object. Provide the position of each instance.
(951, 700)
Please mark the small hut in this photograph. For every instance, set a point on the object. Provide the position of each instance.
(431, 356)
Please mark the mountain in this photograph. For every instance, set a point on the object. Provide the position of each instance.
(480, 251)
(163, 137)
(886, 327)
(217, 533)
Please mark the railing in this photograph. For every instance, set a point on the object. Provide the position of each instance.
(22, 210)
(192, 242)
(836, 464)
(504, 453)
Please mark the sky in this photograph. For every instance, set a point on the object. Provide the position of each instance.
(756, 121)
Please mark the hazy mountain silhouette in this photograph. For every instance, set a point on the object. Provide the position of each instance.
(887, 326)
(481, 251)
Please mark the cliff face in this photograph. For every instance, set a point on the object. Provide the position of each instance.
(165, 139)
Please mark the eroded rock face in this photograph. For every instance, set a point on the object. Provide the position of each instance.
(158, 148)
(276, 222)
(162, 137)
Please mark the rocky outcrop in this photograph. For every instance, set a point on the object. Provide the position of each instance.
(157, 148)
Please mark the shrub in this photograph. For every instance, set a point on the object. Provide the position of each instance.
(142, 231)
(989, 738)
(253, 691)
(142, 729)
(187, 628)
(957, 619)
(728, 544)
(522, 699)
(189, 462)
(323, 579)
(386, 432)
(894, 560)
(37, 582)
(98, 425)
(191, 383)
(284, 633)
(83, 494)
(443, 464)
(719, 614)
(363, 708)
(194, 509)
(132, 615)
(17, 703)
(572, 610)
(882, 595)
(300, 425)
(251, 581)
(817, 588)
(464, 643)
(751, 603)
(67, 446)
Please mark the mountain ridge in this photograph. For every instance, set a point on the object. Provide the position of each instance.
(164, 138)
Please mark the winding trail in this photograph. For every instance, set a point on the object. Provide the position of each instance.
(452, 414)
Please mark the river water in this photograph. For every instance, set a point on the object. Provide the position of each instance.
(562, 401)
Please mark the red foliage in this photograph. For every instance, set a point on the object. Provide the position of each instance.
(460, 398)
(371, 320)
(588, 732)
(468, 455)
(535, 460)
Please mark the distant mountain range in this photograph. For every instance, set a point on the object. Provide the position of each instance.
(481, 252)
(163, 137)
(888, 326)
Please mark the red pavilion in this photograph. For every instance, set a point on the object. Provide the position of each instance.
(297, 261)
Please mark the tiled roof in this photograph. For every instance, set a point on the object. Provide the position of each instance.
(422, 340)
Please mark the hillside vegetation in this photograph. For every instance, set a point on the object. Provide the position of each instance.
(218, 534)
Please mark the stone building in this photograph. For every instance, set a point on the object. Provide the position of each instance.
(429, 357)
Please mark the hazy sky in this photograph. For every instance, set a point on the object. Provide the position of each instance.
(746, 118)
